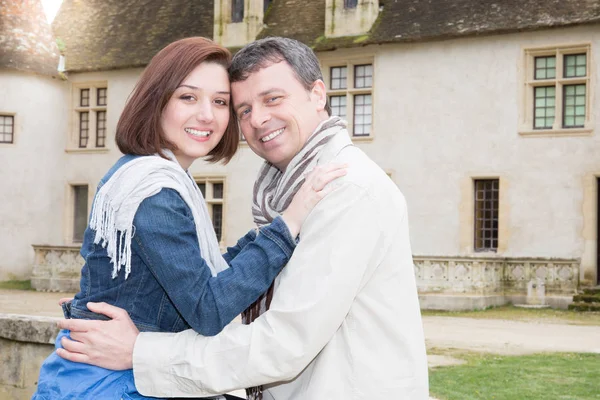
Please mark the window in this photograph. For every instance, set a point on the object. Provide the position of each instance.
(90, 116)
(349, 88)
(266, 5)
(80, 211)
(486, 214)
(7, 128)
(350, 3)
(557, 85)
(237, 10)
(213, 191)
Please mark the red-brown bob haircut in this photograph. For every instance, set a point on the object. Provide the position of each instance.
(139, 129)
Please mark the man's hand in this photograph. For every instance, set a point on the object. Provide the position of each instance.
(107, 344)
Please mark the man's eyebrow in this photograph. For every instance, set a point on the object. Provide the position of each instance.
(197, 88)
(261, 94)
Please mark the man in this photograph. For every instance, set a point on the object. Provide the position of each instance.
(343, 320)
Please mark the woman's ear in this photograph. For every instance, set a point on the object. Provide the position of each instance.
(319, 94)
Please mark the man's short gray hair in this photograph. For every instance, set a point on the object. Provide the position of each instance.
(264, 52)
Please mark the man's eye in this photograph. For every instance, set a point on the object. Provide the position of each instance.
(244, 113)
(272, 99)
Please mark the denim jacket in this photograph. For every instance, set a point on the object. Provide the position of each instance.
(170, 287)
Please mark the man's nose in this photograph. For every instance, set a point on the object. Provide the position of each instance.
(259, 117)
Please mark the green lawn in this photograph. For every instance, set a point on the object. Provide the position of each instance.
(511, 312)
(556, 376)
(18, 285)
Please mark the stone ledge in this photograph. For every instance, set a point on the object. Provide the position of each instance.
(28, 328)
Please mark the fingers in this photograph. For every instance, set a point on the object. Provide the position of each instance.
(75, 357)
(76, 325)
(72, 346)
(110, 311)
(64, 300)
(322, 175)
(323, 179)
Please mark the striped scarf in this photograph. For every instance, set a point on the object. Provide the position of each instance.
(273, 193)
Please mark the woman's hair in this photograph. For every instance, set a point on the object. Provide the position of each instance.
(139, 128)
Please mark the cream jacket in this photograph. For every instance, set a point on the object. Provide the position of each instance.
(344, 322)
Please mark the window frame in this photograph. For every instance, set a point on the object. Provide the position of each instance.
(234, 12)
(69, 210)
(14, 128)
(559, 82)
(210, 200)
(93, 109)
(351, 91)
(477, 232)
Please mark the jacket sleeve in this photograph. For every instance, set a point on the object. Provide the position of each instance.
(233, 251)
(340, 241)
(166, 240)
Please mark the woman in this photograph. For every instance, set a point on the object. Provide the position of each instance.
(149, 216)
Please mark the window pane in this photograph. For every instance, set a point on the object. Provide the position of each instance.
(486, 214)
(217, 190)
(338, 106)
(545, 67)
(362, 108)
(575, 65)
(574, 94)
(202, 187)
(544, 107)
(6, 128)
(363, 76)
(338, 78)
(84, 98)
(350, 3)
(101, 97)
(80, 196)
(100, 128)
(237, 10)
(217, 219)
(84, 119)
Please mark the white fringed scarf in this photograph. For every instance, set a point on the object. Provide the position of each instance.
(118, 200)
(274, 190)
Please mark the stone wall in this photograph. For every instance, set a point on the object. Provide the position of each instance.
(56, 268)
(462, 283)
(25, 341)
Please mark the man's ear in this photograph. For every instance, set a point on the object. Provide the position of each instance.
(318, 94)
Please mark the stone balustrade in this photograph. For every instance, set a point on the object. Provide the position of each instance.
(460, 283)
(56, 268)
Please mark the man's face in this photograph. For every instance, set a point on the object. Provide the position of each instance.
(277, 114)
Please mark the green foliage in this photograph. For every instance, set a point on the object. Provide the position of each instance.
(61, 45)
(557, 376)
(16, 285)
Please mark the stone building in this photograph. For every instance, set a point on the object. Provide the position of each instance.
(484, 114)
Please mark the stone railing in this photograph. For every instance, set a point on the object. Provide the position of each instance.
(56, 268)
(25, 341)
(476, 282)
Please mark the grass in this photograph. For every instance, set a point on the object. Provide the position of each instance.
(557, 376)
(16, 285)
(511, 312)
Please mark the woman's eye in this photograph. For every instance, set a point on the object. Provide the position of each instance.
(221, 102)
(187, 97)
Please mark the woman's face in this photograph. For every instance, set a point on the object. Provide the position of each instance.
(197, 114)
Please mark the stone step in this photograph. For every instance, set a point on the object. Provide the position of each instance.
(583, 306)
(587, 298)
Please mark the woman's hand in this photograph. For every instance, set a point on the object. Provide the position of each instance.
(311, 192)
